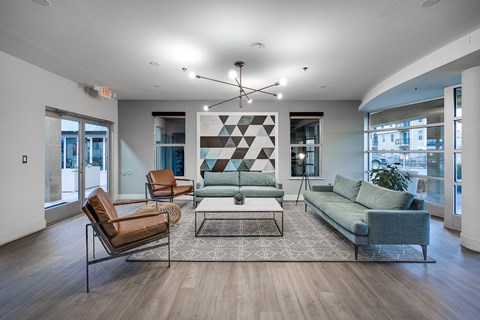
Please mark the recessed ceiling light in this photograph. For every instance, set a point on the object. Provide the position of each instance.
(257, 45)
(154, 64)
(427, 3)
(45, 3)
(156, 86)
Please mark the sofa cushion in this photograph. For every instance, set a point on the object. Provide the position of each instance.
(261, 192)
(249, 178)
(316, 198)
(217, 191)
(221, 178)
(347, 214)
(346, 187)
(375, 197)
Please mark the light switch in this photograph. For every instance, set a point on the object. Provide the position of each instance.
(24, 159)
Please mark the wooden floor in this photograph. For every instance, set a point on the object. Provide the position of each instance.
(42, 276)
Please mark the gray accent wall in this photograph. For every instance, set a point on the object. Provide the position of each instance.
(343, 141)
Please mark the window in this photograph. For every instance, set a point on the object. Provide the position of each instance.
(417, 147)
(170, 141)
(392, 137)
(306, 140)
(457, 153)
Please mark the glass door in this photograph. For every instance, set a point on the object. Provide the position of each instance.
(96, 158)
(62, 154)
(76, 162)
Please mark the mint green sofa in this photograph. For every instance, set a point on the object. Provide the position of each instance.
(368, 214)
(227, 184)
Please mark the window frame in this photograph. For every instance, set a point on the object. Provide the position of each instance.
(169, 115)
(407, 126)
(319, 145)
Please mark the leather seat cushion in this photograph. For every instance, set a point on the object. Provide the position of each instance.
(134, 230)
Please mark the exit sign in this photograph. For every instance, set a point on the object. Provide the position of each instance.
(105, 92)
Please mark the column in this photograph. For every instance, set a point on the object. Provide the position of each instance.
(470, 235)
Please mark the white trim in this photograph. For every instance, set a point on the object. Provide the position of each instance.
(293, 197)
(22, 232)
(130, 196)
(470, 243)
(449, 53)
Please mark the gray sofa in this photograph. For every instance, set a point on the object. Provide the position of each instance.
(226, 184)
(368, 214)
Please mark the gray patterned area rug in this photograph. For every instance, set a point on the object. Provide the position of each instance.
(306, 238)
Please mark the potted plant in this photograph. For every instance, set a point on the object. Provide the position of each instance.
(390, 177)
(239, 198)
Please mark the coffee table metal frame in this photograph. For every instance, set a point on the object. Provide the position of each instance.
(226, 205)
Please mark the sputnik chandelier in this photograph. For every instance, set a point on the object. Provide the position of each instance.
(242, 89)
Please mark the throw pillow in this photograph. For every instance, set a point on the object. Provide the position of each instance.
(346, 187)
(375, 197)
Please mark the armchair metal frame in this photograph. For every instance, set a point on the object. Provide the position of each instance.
(125, 250)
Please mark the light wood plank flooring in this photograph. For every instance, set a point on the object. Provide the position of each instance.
(42, 276)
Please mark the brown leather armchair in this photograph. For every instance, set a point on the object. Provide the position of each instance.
(162, 184)
(126, 235)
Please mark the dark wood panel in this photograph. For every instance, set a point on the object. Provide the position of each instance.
(42, 276)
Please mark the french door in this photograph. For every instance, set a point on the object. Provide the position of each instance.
(77, 161)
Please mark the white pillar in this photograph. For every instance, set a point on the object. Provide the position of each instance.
(470, 235)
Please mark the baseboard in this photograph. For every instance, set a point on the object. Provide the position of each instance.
(292, 197)
(470, 243)
(130, 196)
(22, 232)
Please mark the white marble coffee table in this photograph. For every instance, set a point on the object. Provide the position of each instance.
(227, 206)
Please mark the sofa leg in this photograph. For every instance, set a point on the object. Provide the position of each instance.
(355, 247)
(424, 251)
(305, 208)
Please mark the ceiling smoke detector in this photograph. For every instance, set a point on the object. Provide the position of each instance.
(427, 3)
(257, 45)
(46, 3)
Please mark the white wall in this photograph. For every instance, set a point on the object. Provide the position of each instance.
(25, 90)
(342, 149)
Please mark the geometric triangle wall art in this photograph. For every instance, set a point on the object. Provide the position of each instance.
(236, 141)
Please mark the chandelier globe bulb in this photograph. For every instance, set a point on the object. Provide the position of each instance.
(232, 74)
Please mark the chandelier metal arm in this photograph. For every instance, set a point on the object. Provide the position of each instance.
(236, 85)
(219, 81)
(244, 94)
(241, 89)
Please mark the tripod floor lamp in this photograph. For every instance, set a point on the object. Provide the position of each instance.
(305, 179)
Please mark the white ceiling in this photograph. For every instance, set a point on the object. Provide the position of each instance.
(348, 45)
